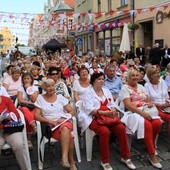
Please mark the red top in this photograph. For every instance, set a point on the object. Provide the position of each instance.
(7, 103)
(66, 72)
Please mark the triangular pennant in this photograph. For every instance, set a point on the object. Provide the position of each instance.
(83, 14)
(152, 8)
(139, 11)
(111, 12)
(97, 14)
(54, 16)
(39, 16)
(70, 14)
(90, 15)
(125, 12)
(165, 6)
(76, 15)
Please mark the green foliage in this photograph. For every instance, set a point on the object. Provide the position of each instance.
(133, 26)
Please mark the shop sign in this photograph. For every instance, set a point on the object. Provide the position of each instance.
(161, 15)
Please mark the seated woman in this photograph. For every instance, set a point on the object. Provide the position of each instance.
(134, 97)
(60, 86)
(50, 108)
(13, 82)
(15, 140)
(158, 92)
(81, 85)
(98, 101)
(27, 94)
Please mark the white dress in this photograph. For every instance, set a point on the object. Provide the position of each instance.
(52, 111)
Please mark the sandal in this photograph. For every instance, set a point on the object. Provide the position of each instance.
(65, 164)
(73, 167)
(106, 166)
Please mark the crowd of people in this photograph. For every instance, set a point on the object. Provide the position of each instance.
(42, 87)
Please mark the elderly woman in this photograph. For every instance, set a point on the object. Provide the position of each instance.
(27, 94)
(13, 82)
(98, 102)
(15, 140)
(50, 108)
(158, 92)
(135, 99)
(81, 85)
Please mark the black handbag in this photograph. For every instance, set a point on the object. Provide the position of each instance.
(29, 106)
(12, 127)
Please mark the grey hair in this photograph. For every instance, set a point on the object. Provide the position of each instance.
(15, 69)
(47, 81)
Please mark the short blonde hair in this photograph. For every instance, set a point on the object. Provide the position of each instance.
(130, 72)
(47, 81)
(151, 70)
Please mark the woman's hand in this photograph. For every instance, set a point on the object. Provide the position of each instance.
(150, 104)
(53, 123)
(112, 112)
(146, 116)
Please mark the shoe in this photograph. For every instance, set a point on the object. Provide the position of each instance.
(128, 163)
(156, 153)
(106, 166)
(30, 146)
(156, 165)
(73, 167)
(65, 164)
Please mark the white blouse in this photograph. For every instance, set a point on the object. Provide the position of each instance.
(158, 93)
(53, 110)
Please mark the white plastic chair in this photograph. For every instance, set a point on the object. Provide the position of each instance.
(120, 107)
(45, 140)
(89, 134)
(7, 146)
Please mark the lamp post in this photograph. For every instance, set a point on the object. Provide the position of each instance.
(133, 21)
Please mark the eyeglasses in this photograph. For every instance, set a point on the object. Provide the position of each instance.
(54, 74)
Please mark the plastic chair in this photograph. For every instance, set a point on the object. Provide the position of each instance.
(89, 134)
(45, 140)
(7, 146)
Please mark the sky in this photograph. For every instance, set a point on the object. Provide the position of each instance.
(20, 6)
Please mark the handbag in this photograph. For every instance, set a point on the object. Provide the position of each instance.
(166, 109)
(152, 111)
(29, 106)
(106, 120)
(12, 126)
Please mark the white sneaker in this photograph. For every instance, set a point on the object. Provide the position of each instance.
(128, 163)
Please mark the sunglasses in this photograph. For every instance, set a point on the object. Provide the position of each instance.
(54, 74)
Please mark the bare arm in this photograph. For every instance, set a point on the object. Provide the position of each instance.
(132, 108)
(69, 109)
(6, 86)
(21, 100)
(40, 118)
(76, 96)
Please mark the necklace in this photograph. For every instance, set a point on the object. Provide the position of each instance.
(156, 88)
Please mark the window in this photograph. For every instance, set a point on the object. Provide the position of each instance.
(123, 2)
(109, 5)
(99, 5)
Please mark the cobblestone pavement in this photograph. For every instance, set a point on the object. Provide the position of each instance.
(138, 152)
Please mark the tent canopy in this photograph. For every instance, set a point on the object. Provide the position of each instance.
(54, 45)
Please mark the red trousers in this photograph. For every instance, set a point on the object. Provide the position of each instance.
(29, 118)
(152, 128)
(166, 117)
(104, 135)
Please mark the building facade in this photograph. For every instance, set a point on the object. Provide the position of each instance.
(107, 23)
(8, 39)
(154, 22)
